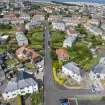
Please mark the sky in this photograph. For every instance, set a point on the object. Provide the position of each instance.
(94, 1)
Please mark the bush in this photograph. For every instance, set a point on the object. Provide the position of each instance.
(19, 100)
(37, 98)
(58, 80)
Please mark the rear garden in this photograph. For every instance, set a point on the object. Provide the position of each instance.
(80, 53)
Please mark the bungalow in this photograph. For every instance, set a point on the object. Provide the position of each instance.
(62, 54)
(21, 85)
(71, 69)
(21, 39)
(68, 42)
(58, 26)
(98, 72)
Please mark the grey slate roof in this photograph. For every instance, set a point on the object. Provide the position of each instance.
(72, 66)
(12, 86)
(23, 80)
(99, 68)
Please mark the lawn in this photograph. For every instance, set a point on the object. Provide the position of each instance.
(57, 36)
(57, 39)
(36, 39)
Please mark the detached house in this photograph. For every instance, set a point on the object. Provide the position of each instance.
(71, 69)
(58, 26)
(68, 42)
(23, 84)
(98, 71)
(21, 39)
(62, 54)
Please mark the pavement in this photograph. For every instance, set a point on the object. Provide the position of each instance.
(52, 91)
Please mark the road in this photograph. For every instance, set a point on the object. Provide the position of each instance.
(52, 91)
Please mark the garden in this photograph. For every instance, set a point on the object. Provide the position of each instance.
(37, 98)
(36, 39)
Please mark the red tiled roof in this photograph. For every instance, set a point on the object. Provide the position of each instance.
(62, 53)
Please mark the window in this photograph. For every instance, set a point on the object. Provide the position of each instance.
(22, 91)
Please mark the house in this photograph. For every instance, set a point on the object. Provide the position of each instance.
(103, 26)
(58, 26)
(16, 21)
(71, 69)
(21, 39)
(98, 72)
(71, 32)
(24, 53)
(21, 85)
(95, 30)
(32, 24)
(72, 21)
(68, 42)
(21, 29)
(40, 65)
(4, 21)
(102, 60)
(38, 18)
(62, 54)
(25, 17)
(54, 18)
(3, 39)
(94, 22)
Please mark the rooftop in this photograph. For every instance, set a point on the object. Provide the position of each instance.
(72, 66)
(22, 80)
(99, 68)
